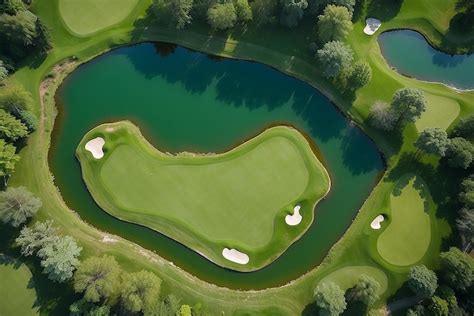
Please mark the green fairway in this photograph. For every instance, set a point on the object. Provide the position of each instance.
(441, 113)
(238, 199)
(84, 17)
(17, 296)
(407, 238)
(347, 277)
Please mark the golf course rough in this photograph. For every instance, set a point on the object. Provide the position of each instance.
(208, 202)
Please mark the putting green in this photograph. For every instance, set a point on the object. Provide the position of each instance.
(17, 296)
(84, 17)
(407, 238)
(347, 277)
(237, 199)
(440, 112)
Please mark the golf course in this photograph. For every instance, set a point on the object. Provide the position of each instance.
(204, 201)
(236, 157)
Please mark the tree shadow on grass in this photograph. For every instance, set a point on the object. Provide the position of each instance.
(384, 10)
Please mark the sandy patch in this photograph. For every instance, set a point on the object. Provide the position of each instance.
(108, 239)
(235, 256)
(376, 223)
(109, 129)
(295, 218)
(372, 25)
(95, 147)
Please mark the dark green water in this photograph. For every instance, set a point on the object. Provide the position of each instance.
(410, 53)
(183, 100)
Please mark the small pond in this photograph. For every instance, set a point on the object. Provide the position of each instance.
(187, 101)
(410, 54)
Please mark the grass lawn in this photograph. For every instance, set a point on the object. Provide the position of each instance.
(85, 17)
(238, 199)
(17, 295)
(441, 113)
(408, 234)
(287, 51)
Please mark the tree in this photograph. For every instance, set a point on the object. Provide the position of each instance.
(3, 72)
(460, 153)
(366, 290)
(439, 307)
(14, 98)
(433, 141)
(10, 127)
(467, 192)
(457, 269)
(185, 310)
(243, 11)
(408, 104)
(334, 57)
(84, 308)
(349, 4)
(422, 281)
(465, 128)
(12, 6)
(140, 291)
(18, 29)
(222, 16)
(31, 239)
(292, 12)
(29, 119)
(465, 225)
(330, 299)
(264, 11)
(99, 279)
(381, 116)
(360, 75)
(334, 24)
(59, 258)
(8, 159)
(17, 205)
(175, 12)
(169, 306)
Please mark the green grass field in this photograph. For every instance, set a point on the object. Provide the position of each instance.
(287, 51)
(85, 17)
(237, 199)
(17, 294)
(407, 237)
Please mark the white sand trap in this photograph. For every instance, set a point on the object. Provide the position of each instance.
(235, 256)
(376, 223)
(109, 129)
(95, 147)
(294, 219)
(372, 26)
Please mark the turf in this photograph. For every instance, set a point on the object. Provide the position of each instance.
(236, 199)
(85, 17)
(17, 295)
(441, 112)
(407, 238)
(347, 277)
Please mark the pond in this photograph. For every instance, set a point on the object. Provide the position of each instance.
(187, 101)
(410, 54)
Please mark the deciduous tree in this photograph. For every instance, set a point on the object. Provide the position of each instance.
(175, 12)
(334, 57)
(10, 127)
(422, 281)
(334, 24)
(292, 12)
(465, 225)
(222, 16)
(330, 299)
(465, 128)
(17, 205)
(366, 290)
(99, 279)
(408, 104)
(264, 11)
(359, 76)
(439, 307)
(140, 291)
(60, 258)
(14, 98)
(457, 269)
(32, 239)
(381, 116)
(243, 11)
(8, 159)
(3, 72)
(433, 141)
(460, 153)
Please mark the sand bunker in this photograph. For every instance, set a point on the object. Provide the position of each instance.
(235, 256)
(376, 223)
(372, 26)
(296, 218)
(95, 147)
